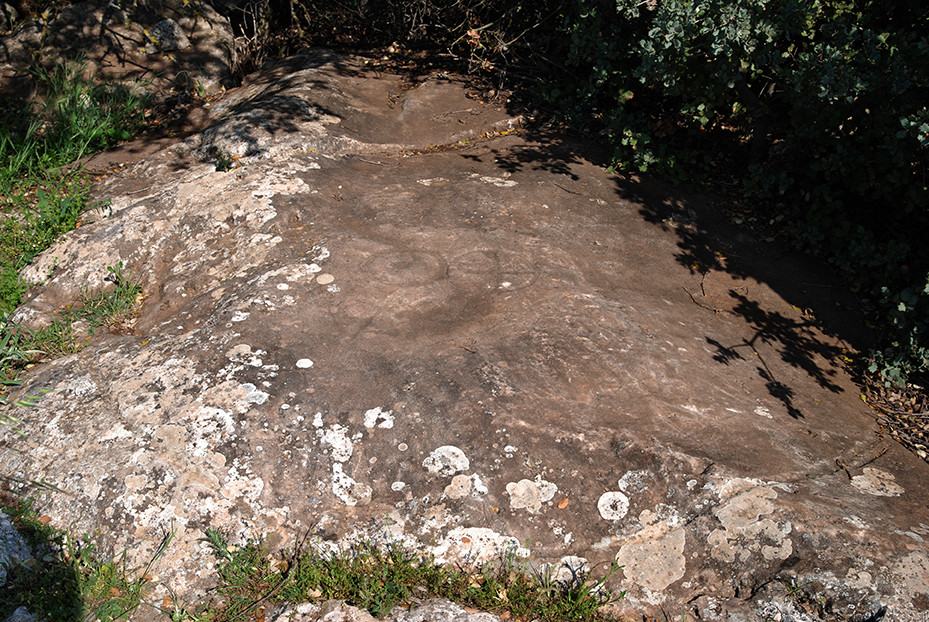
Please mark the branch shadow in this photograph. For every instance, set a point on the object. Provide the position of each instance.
(706, 241)
(813, 344)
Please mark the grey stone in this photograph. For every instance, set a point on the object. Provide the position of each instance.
(167, 36)
(21, 615)
(12, 546)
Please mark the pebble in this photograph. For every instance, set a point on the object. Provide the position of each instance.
(304, 363)
(325, 278)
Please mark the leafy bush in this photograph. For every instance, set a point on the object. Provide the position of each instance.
(827, 100)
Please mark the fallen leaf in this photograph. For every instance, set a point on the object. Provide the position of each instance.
(563, 503)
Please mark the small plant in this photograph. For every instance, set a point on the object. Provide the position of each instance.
(807, 598)
(71, 327)
(225, 162)
(13, 344)
(380, 578)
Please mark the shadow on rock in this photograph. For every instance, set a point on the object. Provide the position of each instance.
(817, 334)
(722, 261)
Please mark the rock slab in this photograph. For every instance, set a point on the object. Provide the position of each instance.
(389, 316)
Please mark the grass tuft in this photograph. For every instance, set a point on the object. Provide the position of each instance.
(381, 578)
(77, 118)
(70, 330)
(40, 197)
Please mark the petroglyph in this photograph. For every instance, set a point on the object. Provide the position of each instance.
(406, 268)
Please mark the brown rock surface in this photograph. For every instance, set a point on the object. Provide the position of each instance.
(355, 333)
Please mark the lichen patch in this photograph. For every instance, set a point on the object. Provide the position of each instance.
(477, 545)
(336, 437)
(446, 460)
(654, 563)
(379, 417)
(613, 505)
(347, 489)
(745, 528)
(878, 483)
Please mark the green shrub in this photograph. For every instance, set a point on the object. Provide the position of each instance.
(827, 103)
(77, 118)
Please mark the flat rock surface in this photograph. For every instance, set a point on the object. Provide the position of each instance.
(392, 318)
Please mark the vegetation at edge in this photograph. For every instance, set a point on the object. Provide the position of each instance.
(41, 198)
(66, 579)
(69, 580)
(381, 578)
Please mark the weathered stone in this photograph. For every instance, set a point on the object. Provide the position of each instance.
(523, 325)
(12, 546)
(337, 611)
(22, 614)
(167, 36)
